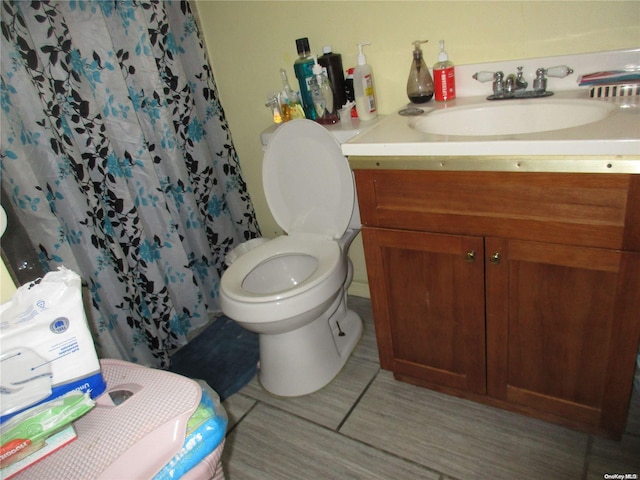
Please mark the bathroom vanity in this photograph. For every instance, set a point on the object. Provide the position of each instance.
(505, 268)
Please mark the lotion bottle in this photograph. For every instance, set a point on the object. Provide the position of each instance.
(444, 77)
(419, 84)
(364, 87)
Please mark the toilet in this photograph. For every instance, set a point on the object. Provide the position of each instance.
(292, 290)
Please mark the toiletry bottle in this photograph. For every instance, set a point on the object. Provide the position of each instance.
(290, 102)
(419, 84)
(364, 87)
(444, 77)
(303, 68)
(322, 96)
(332, 63)
(348, 91)
(273, 105)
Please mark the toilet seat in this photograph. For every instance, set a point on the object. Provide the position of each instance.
(325, 251)
(307, 181)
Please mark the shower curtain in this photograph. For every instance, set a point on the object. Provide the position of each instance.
(118, 162)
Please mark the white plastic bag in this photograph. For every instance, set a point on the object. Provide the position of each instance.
(46, 349)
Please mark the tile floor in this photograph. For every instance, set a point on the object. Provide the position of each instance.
(366, 425)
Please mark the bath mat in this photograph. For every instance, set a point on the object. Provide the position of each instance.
(224, 355)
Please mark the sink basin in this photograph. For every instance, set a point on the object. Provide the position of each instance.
(512, 117)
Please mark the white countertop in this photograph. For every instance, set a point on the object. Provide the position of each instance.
(612, 143)
(617, 134)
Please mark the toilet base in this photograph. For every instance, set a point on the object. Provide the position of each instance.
(306, 359)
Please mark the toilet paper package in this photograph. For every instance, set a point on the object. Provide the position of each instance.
(46, 349)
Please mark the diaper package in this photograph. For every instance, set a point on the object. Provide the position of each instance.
(46, 349)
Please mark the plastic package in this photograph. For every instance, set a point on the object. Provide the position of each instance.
(25, 433)
(46, 349)
(206, 428)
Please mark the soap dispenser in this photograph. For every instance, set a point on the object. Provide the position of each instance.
(322, 96)
(445, 77)
(420, 84)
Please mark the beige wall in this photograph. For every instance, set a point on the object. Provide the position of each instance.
(248, 42)
(7, 287)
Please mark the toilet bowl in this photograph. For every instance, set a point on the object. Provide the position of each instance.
(292, 290)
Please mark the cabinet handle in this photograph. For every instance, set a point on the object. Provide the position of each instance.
(470, 257)
(495, 258)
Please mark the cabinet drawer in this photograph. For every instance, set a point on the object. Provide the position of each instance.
(577, 209)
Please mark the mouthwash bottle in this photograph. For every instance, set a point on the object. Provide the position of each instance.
(303, 68)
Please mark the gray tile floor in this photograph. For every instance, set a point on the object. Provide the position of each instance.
(366, 425)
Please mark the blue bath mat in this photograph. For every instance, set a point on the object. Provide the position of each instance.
(224, 355)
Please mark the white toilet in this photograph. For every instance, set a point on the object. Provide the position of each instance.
(292, 290)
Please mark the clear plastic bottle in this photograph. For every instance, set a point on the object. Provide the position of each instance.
(332, 63)
(322, 96)
(274, 105)
(290, 105)
(364, 87)
(445, 77)
(419, 84)
(303, 67)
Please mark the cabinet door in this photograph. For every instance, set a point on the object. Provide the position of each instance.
(427, 293)
(562, 329)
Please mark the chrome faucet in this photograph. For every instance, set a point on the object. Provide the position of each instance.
(540, 82)
(515, 85)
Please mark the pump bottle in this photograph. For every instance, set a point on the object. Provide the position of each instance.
(322, 96)
(332, 63)
(444, 76)
(364, 87)
(303, 67)
(419, 84)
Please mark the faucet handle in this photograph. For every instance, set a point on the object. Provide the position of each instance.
(559, 71)
(484, 76)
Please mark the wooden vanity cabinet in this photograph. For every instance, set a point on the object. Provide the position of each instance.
(521, 290)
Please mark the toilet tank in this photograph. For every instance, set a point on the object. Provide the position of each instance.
(342, 132)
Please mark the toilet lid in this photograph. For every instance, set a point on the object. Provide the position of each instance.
(307, 181)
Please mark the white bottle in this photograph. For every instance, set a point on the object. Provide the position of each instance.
(364, 88)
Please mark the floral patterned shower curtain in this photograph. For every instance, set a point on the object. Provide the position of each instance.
(118, 161)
